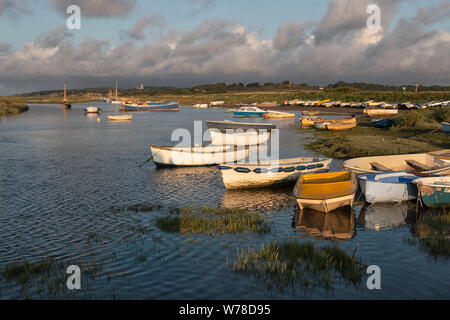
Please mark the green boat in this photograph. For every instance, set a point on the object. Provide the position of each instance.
(434, 191)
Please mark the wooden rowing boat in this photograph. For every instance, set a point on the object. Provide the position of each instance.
(388, 187)
(239, 137)
(313, 121)
(310, 121)
(200, 106)
(422, 162)
(325, 192)
(376, 112)
(443, 155)
(278, 115)
(310, 113)
(167, 156)
(226, 124)
(125, 117)
(266, 174)
(340, 126)
(434, 191)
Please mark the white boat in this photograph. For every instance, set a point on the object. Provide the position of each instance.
(375, 111)
(124, 117)
(248, 137)
(266, 174)
(200, 106)
(388, 187)
(92, 110)
(217, 103)
(445, 127)
(423, 162)
(167, 156)
(250, 111)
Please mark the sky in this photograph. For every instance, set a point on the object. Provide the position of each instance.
(189, 42)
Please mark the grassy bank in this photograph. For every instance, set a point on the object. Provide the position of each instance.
(412, 132)
(7, 108)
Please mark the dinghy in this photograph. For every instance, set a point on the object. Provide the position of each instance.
(266, 174)
(381, 123)
(226, 124)
(435, 191)
(249, 111)
(167, 156)
(124, 117)
(310, 121)
(388, 187)
(239, 137)
(310, 113)
(278, 115)
(340, 126)
(377, 112)
(321, 125)
(445, 127)
(422, 162)
(152, 106)
(443, 155)
(93, 110)
(200, 106)
(325, 192)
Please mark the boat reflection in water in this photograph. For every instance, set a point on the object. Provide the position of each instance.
(339, 224)
(261, 199)
(386, 215)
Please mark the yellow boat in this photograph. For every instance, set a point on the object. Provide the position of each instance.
(278, 115)
(340, 126)
(325, 192)
(323, 101)
(312, 121)
(310, 113)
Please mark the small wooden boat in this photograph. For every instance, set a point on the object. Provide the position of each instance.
(381, 123)
(422, 162)
(266, 174)
(445, 127)
(325, 192)
(249, 112)
(377, 112)
(217, 103)
(278, 115)
(239, 137)
(93, 110)
(167, 156)
(340, 126)
(153, 106)
(434, 191)
(310, 113)
(226, 124)
(388, 187)
(124, 117)
(443, 155)
(310, 121)
(200, 106)
(323, 101)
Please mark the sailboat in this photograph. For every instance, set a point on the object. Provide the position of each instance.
(116, 100)
(65, 103)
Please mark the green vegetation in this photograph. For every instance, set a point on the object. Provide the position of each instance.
(413, 132)
(8, 107)
(281, 265)
(212, 221)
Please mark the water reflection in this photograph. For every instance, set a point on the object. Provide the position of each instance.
(259, 199)
(386, 215)
(339, 224)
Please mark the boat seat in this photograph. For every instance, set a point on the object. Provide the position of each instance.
(379, 167)
(418, 165)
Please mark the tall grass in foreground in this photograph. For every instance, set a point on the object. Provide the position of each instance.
(212, 221)
(280, 265)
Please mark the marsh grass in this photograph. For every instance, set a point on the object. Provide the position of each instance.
(212, 221)
(8, 108)
(283, 265)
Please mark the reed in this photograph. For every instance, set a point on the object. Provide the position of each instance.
(7, 108)
(212, 221)
(280, 265)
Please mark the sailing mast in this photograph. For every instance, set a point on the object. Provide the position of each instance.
(116, 90)
(66, 104)
(65, 97)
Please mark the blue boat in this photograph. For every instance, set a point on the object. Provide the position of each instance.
(434, 191)
(381, 123)
(154, 106)
(249, 111)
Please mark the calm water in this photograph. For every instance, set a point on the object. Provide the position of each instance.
(66, 179)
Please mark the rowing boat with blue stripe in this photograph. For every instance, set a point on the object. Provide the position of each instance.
(154, 106)
(271, 173)
(434, 191)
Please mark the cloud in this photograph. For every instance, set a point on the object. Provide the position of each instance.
(12, 8)
(223, 50)
(137, 32)
(97, 8)
(4, 48)
(433, 14)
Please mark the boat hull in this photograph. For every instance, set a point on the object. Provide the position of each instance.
(375, 112)
(169, 106)
(223, 125)
(445, 127)
(326, 205)
(435, 191)
(247, 138)
(260, 176)
(380, 191)
(196, 156)
(248, 114)
(120, 118)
